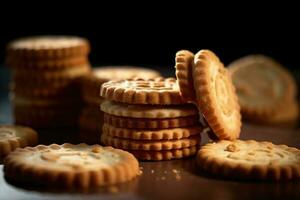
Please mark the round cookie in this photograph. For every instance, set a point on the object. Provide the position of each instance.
(150, 145)
(165, 154)
(90, 83)
(12, 137)
(47, 47)
(159, 91)
(71, 166)
(143, 123)
(263, 85)
(215, 96)
(184, 73)
(250, 160)
(155, 134)
(148, 111)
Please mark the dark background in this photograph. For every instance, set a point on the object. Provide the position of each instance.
(116, 48)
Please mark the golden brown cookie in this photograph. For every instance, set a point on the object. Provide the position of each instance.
(49, 64)
(184, 73)
(216, 97)
(165, 154)
(91, 119)
(90, 83)
(157, 91)
(33, 77)
(12, 137)
(155, 134)
(250, 160)
(143, 123)
(148, 111)
(71, 166)
(47, 47)
(263, 85)
(149, 145)
(287, 116)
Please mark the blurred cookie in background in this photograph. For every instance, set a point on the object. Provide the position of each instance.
(267, 91)
(91, 117)
(44, 83)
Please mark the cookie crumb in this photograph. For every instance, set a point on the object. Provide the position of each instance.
(177, 177)
(163, 178)
(232, 148)
(175, 171)
(152, 171)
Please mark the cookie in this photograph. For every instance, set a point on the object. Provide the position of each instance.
(33, 77)
(46, 117)
(47, 47)
(250, 160)
(90, 83)
(71, 166)
(50, 64)
(91, 119)
(142, 123)
(12, 137)
(157, 91)
(215, 96)
(184, 62)
(148, 111)
(285, 117)
(149, 145)
(155, 134)
(263, 85)
(165, 154)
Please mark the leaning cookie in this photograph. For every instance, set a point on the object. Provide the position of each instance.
(215, 96)
(71, 166)
(250, 160)
(12, 137)
(184, 73)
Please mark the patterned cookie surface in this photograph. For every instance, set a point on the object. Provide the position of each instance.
(12, 137)
(70, 165)
(215, 95)
(263, 85)
(143, 91)
(250, 160)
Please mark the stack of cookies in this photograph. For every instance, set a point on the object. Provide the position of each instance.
(266, 90)
(148, 118)
(91, 117)
(44, 84)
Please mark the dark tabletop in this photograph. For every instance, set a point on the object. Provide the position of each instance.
(178, 179)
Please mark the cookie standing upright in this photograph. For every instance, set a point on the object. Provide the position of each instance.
(152, 107)
(266, 90)
(71, 166)
(91, 117)
(206, 83)
(12, 137)
(46, 69)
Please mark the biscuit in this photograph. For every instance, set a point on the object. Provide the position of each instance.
(263, 85)
(155, 134)
(149, 145)
(33, 77)
(250, 160)
(184, 67)
(142, 123)
(50, 64)
(71, 166)
(91, 82)
(159, 91)
(12, 137)
(47, 47)
(216, 97)
(148, 111)
(165, 154)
